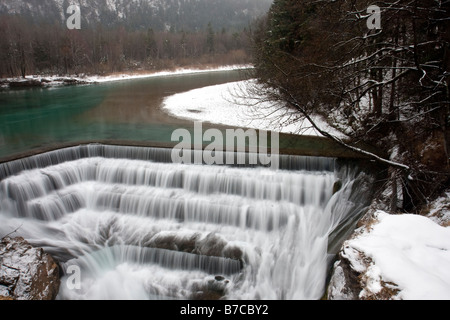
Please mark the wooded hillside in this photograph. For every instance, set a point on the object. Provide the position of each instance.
(387, 89)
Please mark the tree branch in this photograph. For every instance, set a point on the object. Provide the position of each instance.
(17, 229)
(292, 101)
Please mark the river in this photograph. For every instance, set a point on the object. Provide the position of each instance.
(134, 225)
(121, 112)
(126, 110)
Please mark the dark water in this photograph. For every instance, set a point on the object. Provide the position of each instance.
(116, 111)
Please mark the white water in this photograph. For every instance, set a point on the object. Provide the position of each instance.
(142, 228)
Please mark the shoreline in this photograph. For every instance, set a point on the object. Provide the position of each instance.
(45, 81)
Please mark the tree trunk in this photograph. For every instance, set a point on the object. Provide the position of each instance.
(23, 67)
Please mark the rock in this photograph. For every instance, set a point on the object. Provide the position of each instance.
(25, 84)
(344, 283)
(211, 290)
(173, 241)
(71, 81)
(337, 186)
(27, 273)
(351, 278)
(212, 245)
(219, 278)
(433, 151)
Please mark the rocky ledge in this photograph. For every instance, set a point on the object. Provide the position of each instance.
(26, 273)
(396, 256)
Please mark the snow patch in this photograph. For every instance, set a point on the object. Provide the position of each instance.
(410, 252)
(231, 104)
(55, 80)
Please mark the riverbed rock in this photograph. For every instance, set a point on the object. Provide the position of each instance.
(28, 83)
(337, 186)
(213, 289)
(211, 245)
(27, 273)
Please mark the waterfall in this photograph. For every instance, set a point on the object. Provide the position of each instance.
(140, 227)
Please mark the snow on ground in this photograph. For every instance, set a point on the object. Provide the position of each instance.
(179, 71)
(408, 254)
(232, 104)
(55, 80)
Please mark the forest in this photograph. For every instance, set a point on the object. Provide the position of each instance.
(28, 48)
(386, 88)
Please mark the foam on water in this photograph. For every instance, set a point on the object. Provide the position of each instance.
(140, 227)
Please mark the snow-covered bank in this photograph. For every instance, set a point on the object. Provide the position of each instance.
(232, 104)
(54, 80)
(397, 257)
(392, 257)
(179, 71)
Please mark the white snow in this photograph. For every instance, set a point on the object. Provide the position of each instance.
(59, 80)
(232, 104)
(408, 253)
(179, 71)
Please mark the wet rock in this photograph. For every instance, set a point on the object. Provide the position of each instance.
(233, 252)
(219, 278)
(337, 186)
(211, 245)
(27, 273)
(25, 84)
(344, 283)
(173, 241)
(213, 289)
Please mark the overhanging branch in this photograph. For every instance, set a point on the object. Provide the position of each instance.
(292, 101)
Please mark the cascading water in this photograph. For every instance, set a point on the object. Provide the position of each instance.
(140, 227)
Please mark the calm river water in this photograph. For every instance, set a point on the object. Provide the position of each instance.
(125, 111)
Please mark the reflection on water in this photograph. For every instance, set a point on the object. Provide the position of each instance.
(125, 111)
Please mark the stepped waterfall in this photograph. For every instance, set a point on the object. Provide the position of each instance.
(138, 226)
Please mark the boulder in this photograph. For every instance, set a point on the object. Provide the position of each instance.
(27, 273)
(352, 275)
(28, 83)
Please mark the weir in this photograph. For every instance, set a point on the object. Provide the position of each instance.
(141, 227)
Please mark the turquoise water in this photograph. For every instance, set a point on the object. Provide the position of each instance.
(116, 111)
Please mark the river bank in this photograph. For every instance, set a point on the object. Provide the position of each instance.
(395, 233)
(390, 256)
(396, 256)
(43, 81)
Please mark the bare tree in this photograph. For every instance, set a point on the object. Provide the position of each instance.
(388, 88)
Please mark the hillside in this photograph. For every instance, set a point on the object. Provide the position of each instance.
(124, 35)
(161, 15)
